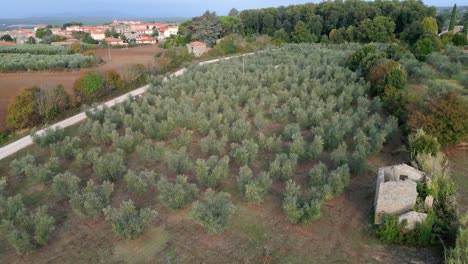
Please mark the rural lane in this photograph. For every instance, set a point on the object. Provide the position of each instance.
(26, 141)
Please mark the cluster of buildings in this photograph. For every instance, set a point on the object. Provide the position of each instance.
(141, 32)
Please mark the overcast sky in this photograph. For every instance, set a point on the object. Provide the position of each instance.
(145, 8)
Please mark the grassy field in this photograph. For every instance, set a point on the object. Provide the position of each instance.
(293, 78)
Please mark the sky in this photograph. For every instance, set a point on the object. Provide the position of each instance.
(146, 8)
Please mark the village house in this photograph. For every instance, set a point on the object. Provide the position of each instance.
(6, 43)
(197, 48)
(168, 31)
(98, 34)
(114, 41)
(396, 194)
(145, 40)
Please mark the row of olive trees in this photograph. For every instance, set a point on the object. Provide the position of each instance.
(28, 62)
(36, 49)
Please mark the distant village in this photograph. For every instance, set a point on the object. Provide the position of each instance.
(115, 33)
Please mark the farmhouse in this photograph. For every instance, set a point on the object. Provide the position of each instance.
(396, 193)
(197, 48)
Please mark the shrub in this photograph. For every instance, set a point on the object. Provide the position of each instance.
(139, 184)
(102, 134)
(269, 144)
(3, 186)
(86, 158)
(239, 130)
(213, 145)
(253, 189)
(464, 81)
(214, 212)
(89, 86)
(421, 143)
(151, 152)
(444, 117)
(22, 111)
(65, 184)
(127, 142)
(113, 81)
(297, 146)
(298, 210)
(340, 154)
(183, 139)
(443, 65)
(283, 167)
(18, 166)
(21, 229)
(316, 147)
(245, 153)
(176, 195)
(43, 173)
(339, 179)
(68, 148)
(127, 221)
(48, 137)
(134, 76)
(109, 166)
(90, 201)
(52, 101)
(290, 130)
(212, 171)
(179, 161)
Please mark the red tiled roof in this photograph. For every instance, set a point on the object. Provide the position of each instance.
(5, 43)
(112, 40)
(197, 43)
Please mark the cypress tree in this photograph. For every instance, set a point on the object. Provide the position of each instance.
(453, 18)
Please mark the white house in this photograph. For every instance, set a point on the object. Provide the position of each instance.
(168, 31)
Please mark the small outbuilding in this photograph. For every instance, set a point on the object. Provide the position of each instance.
(396, 191)
(197, 48)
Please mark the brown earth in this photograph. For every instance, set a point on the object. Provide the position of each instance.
(258, 234)
(11, 84)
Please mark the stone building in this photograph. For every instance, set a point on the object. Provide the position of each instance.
(197, 48)
(396, 192)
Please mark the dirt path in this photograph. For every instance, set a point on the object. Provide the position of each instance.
(27, 141)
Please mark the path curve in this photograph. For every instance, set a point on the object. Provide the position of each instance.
(26, 141)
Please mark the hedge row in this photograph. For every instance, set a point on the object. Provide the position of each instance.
(28, 62)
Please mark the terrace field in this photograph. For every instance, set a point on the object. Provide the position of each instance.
(292, 116)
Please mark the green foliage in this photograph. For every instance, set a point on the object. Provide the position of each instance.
(284, 166)
(299, 210)
(302, 34)
(68, 148)
(340, 154)
(18, 166)
(213, 145)
(290, 130)
(316, 147)
(127, 142)
(297, 146)
(28, 62)
(90, 201)
(65, 184)
(183, 139)
(421, 143)
(151, 152)
(22, 229)
(212, 171)
(91, 85)
(214, 212)
(22, 112)
(245, 153)
(391, 231)
(139, 183)
(48, 137)
(443, 65)
(253, 189)
(206, 28)
(35, 49)
(127, 221)
(444, 117)
(459, 253)
(453, 18)
(43, 173)
(179, 161)
(109, 166)
(178, 194)
(429, 25)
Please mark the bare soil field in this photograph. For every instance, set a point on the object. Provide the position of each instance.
(342, 235)
(11, 84)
